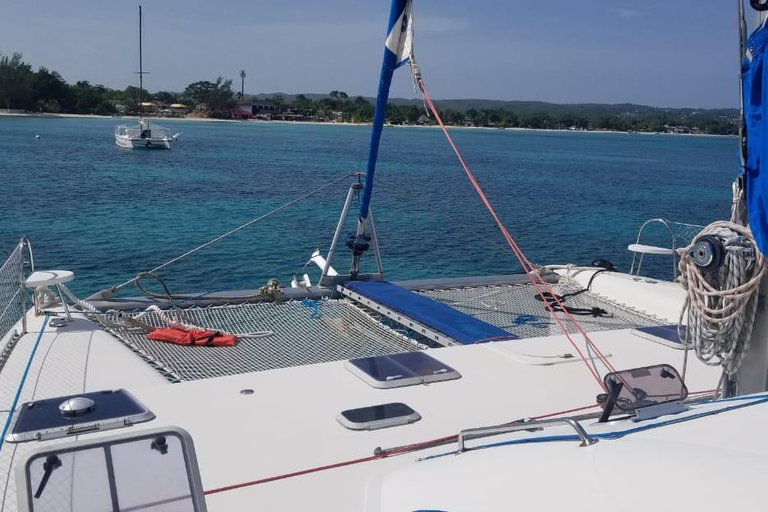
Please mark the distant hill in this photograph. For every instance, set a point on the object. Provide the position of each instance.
(540, 107)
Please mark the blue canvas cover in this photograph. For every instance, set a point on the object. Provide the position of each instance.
(755, 94)
(461, 327)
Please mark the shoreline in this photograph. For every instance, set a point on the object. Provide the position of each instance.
(314, 123)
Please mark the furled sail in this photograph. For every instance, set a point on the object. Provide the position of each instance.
(755, 98)
(398, 50)
(400, 42)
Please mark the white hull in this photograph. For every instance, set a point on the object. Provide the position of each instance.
(139, 143)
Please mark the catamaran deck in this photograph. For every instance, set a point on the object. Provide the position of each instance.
(283, 419)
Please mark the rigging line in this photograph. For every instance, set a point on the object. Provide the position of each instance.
(23, 379)
(182, 299)
(526, 264)
(378, 454)
(239, 228)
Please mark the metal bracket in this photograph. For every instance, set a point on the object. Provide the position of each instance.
(325, 279)
(655, 411)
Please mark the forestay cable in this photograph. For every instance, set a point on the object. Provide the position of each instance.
(538, 283)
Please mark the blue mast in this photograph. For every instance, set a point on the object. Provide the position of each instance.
(397, 33)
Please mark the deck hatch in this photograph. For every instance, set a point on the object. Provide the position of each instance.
(53, 418)
(664, 334)
(375, 417)
(400, 370)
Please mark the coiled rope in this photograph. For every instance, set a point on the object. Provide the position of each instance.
(720, 305)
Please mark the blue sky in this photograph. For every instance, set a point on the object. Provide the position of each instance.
(656, 52)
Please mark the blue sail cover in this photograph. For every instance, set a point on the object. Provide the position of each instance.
(755, 94)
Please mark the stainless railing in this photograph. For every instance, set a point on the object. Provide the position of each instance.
(681, 234)
(13, 296)
(475, 433)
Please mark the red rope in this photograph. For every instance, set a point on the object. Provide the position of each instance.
(397, 451)
(527, 266)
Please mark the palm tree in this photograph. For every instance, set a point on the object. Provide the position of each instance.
(242, 84)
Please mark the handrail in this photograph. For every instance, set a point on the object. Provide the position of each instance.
(664, 222)
(681, 235)
(474, 433)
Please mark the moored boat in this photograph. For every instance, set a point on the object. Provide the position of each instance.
(144, 135)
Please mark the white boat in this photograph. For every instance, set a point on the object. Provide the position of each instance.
(352, 393)
(144, 135)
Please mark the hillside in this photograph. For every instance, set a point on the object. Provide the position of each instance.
(539, 107)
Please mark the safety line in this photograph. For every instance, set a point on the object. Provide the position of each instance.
(380, 455)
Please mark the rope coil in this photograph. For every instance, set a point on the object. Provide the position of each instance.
(721, 304)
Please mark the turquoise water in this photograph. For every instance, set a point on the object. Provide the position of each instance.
(108, 213)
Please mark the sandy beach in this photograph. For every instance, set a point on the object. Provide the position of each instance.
(240, 121)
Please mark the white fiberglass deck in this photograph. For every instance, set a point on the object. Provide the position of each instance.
(288, 422)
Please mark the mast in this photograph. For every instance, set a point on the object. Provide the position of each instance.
(396, 53)
(141, 65)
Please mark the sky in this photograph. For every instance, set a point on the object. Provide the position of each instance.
(668, 53)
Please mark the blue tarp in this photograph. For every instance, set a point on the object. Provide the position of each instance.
(461, 327)
(755, 83)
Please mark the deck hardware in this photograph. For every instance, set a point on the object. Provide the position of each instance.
(160, 445)
(57, 322)
(708, 253)
(52, 462)
(475, 433)
(76, 406)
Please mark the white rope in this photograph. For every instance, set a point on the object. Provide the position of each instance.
(721, 305)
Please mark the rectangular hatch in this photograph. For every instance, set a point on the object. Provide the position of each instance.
(399, 370)
(64, 416)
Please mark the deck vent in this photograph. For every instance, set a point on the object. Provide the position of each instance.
(399, 370)
(64, 416)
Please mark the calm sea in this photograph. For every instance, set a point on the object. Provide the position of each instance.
(108, 213)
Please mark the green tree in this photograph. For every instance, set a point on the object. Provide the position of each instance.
(166, 97)
(276, 99)
(48, 90)
(301, 102)
(221, 97)
(198, 92)
(15, 79)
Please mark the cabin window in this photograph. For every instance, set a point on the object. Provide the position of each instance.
(150, 470)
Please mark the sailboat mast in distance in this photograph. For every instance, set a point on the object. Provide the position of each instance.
(141, 64)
